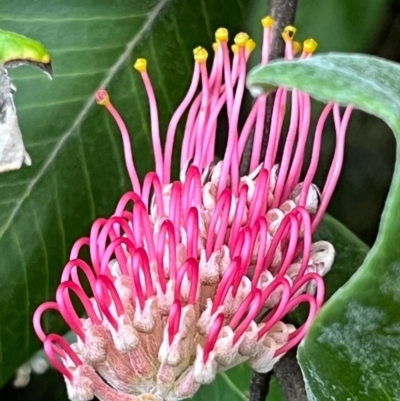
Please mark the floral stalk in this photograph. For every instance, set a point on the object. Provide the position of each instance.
(199, 276)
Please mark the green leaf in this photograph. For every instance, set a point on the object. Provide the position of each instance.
(78, 171)
(370, 83)
(275, 392)
(352, 349)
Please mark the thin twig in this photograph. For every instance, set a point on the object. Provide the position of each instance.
(259, 385)
(290, 379)
(284, 12)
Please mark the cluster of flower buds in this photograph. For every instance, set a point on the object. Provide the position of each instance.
(191, 277)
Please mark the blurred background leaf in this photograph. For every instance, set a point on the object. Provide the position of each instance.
(337, 25)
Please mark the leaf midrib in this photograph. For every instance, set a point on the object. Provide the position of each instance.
(152, 16)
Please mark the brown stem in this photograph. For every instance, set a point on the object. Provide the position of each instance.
(290, 379)
(287, 370)
(259, 386)
(284, 12)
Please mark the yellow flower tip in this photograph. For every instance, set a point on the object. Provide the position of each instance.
(250, 45)
(215, 46)
(297, 47)
(102, 97)
(46, 59)
(241, 39)
(267, 22)
(200, 54)
(221, 35)
(310, 45)
(235, 49)
(288, 33)
(140, 64)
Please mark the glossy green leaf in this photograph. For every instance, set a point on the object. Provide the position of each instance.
(78, 171)
(352, 351)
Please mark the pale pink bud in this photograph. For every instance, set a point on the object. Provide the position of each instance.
(204, 372)
(313, 197)
(322, 256)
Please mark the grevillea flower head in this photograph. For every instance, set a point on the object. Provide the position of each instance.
(191, 277)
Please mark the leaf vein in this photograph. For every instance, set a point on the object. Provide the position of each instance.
(72, 19)
(46, 256)
(50, 104)
(84, 49)
(160, 74)
(181, 42)
(152, 16)
(114, 146)
(59, 216)
(86, 176)
(27, 305)
(206, 19)
(63, 75)
(233, 386)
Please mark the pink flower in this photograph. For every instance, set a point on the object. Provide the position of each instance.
(198, 277)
